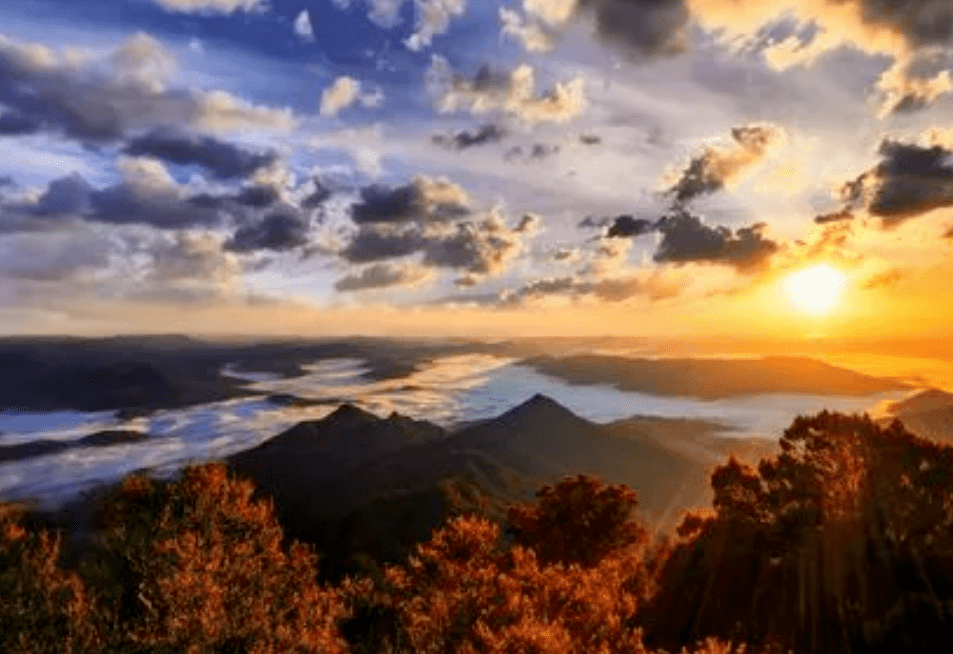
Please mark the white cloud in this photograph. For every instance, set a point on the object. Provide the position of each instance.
(210, 6)
(303, 27)
(433, 18)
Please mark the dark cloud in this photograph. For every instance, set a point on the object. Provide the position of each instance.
(127, 204)
(317, 197)
(590, 139)
(223, 160)
(715, 166)
(627, 226)
(383, 275)
(489, 133)
(258, 196)
(14, 123)
(377, 244)
(68, 195)
(536, 152)
(99, 101)
(910, 180)
(922, 23)
(424, 198)
(686, 239)
(648, 28)
(279, 231)
(836, 216)
(134, 201)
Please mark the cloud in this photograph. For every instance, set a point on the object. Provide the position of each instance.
(884, 279)
(317, 197)
(383, 275)
(342, 93)
(433, 18)
(913, 83)
(874, 26)
(687, 239)
(210, 6)
(14, 123)
(224, 160)
(648, 28)
(644, 28)
(482, 248)
(433, 217)
(836, 216)
(511, 93)
(97, 101)
(62, 256)
(535, 153)
(189, 266)
(426, 199)
(303, 27)
(147, 196)
(655, 284)
(488, 133)
(910, 180)
(627, 226)
(279, 231)
(533, 35)
(717, 166)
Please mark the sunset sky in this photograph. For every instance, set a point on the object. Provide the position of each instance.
(637, 167)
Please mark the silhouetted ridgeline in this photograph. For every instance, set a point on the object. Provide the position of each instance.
(841, 541)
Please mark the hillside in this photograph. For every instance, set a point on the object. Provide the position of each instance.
(928, 414)
(354, 482)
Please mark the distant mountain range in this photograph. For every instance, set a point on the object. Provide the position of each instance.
(353, 482)
(713, 379)
(141, 374)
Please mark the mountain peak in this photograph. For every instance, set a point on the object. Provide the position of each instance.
(539, 407)
(350, 413)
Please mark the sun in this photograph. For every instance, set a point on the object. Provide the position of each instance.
(814, 290)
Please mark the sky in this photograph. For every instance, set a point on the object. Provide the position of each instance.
(452, 167)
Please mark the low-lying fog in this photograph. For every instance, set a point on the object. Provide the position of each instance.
(447, 391)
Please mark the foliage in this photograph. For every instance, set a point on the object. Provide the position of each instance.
(579, 520)
(841, 543)
(199, 566)
(43, 608)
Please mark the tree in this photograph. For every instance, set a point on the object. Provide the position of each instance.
(198, 565)
(579, 520)
(841, 542)
(44, 609)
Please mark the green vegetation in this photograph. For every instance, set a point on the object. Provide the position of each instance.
(841, 543)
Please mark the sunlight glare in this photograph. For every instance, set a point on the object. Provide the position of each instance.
(814, 290)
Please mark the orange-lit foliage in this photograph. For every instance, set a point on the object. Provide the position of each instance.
(841, 543)
(579, 520)
(43, 608)
(200, 567)
(465, 591)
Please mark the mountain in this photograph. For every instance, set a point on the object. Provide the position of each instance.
(713, 379)
(928, 414)
(353, 482)
(33, 449)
